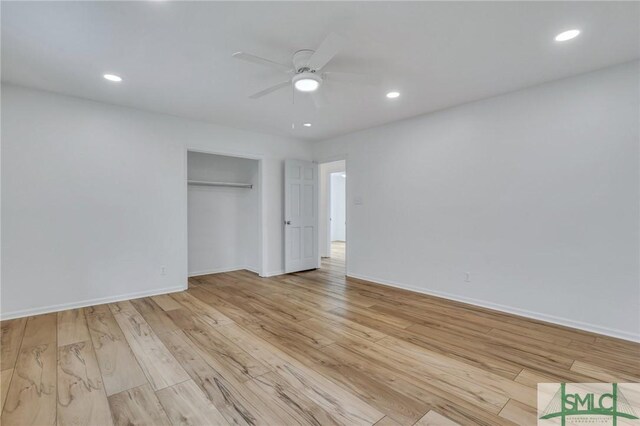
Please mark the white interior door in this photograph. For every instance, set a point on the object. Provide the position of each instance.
(300, 215)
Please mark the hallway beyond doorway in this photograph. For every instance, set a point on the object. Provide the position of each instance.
(337, 260)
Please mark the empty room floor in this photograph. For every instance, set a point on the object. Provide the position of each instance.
(308, 348)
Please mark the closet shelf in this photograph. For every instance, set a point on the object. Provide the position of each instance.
(229, 184)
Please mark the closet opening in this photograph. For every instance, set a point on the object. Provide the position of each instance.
(223, 214)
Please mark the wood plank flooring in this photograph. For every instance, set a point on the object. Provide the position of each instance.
(309, 348)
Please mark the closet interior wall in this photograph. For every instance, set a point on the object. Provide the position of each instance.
(223, 222)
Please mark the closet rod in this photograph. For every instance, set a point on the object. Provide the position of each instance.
(231, 184)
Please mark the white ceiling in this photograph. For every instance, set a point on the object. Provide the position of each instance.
(175, 57)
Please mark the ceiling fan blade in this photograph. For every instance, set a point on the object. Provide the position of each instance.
(327, 50)
(319, 99)
(262, 61)
(350, 77)
(270, 89)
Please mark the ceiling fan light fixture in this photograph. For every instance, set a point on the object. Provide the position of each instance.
(306, 82)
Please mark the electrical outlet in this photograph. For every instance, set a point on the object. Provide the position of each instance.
(467, 277)
(163, 270)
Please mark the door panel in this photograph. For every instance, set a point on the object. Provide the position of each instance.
(301, 215)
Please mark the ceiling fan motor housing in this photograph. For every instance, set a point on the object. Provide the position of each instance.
(301, 60)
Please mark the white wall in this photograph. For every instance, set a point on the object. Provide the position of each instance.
(324, 225)
(535, 193)
(94, 200)
(338, 207)
(223, 222)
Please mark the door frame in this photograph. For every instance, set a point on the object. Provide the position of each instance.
(261, 211)
(328, 206)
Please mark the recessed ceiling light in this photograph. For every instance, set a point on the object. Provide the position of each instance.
(567, 35)
(307, 124)
(112, 77)
(393, 95)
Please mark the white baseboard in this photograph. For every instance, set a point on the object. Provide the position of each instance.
(89, 302)
(216, 271)
(223, 270)
(273, 273)
(620, 334)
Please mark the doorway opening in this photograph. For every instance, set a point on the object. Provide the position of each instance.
(333, 216)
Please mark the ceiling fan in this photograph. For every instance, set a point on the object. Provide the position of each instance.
(305, 73)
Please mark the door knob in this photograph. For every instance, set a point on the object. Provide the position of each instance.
(287, 222)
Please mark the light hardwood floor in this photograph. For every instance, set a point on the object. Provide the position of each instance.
(308, 348)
